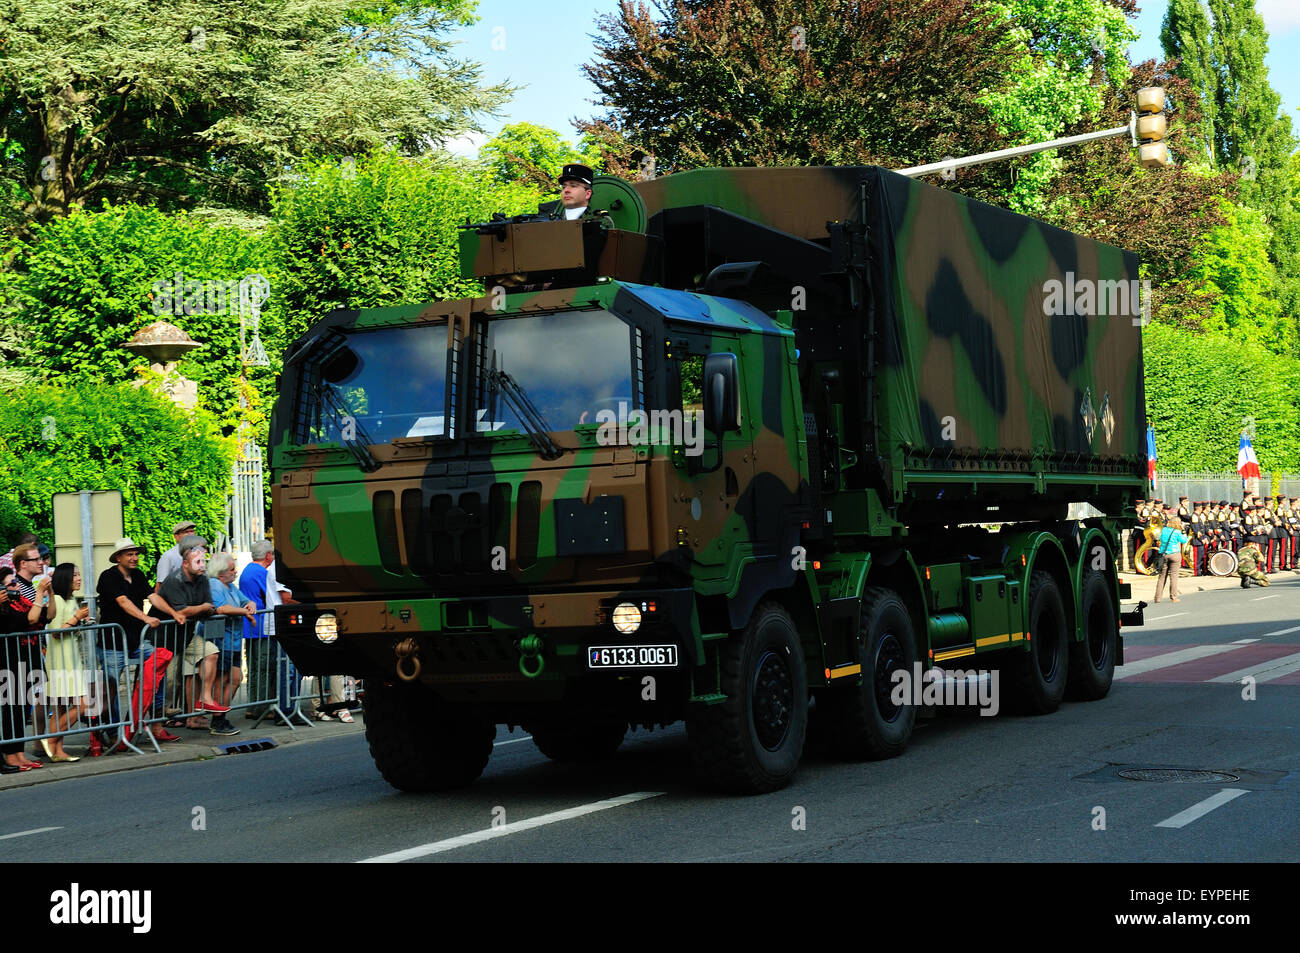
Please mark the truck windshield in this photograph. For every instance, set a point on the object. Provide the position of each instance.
(371, 387)
(569, 366)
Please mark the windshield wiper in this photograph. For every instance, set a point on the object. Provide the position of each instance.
(534, 422)
(359, 443)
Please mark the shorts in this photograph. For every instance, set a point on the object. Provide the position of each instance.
(229, 658)
(196, 652)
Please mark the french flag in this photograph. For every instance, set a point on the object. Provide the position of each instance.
(1151, 456)
(1247, 465)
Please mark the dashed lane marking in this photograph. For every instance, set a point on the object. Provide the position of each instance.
(36, 830)
(1200, 809)
(1264, 671)
(512, 741)
(514, 827)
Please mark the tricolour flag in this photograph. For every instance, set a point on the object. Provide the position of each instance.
(1151, 456)
(1247, 465)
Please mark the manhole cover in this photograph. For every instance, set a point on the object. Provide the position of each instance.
(1178, 775)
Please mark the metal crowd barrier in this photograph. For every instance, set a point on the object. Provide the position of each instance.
(42, 682)
(67, 668)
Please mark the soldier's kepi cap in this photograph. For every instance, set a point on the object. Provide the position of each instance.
(576, 173)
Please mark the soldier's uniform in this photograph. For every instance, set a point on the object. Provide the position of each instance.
(1249, 559)
(1234, 528)
(1200, 539)
(1142, 517)
(1292, 516)
(1278, 538)
(1184, 510)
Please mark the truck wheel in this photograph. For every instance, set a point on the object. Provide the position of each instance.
(1038, 677)
(420, 744)
(751, 743)
(867, 724)
(1092, 661)
(577, 740)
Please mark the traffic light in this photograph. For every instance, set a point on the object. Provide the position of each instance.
(1152, 151)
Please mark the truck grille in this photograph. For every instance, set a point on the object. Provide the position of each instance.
(454, 534)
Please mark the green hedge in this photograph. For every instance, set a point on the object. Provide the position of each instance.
(1201, 387)
(86, 284)
(170, 464)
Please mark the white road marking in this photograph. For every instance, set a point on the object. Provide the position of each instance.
(1258, 598)
(37, 830)
(1244, 641)
(1183, 818)
(1171, 658)
(512, 741)
(514, 827)
(1264, 671)
(1163, 617)
(1269, 635)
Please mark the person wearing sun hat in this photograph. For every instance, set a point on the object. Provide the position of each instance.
(170, 561)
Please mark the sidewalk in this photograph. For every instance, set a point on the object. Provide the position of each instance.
(194, 746)
(1144, 587)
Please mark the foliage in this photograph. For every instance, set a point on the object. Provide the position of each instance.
(169, 464)
(209, 101)
(1162, 215)
(532, 155)
(1200, 388)
(797, 82)
(381, 233)
(1234, 272)
(85, 285)
(1069, 51)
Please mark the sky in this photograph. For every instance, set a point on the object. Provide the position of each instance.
(542, 49)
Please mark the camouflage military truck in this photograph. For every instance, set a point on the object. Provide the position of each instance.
(779, 441)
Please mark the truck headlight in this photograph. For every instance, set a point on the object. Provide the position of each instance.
(327, 627)
(626, 618)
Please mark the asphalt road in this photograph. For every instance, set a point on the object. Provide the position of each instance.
(969, 788)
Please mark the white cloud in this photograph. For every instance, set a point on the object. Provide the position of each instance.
(466, 145)
(1280, 16)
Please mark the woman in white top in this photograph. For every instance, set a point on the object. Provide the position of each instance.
(65, 664)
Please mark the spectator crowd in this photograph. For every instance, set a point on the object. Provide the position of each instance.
(187, 634)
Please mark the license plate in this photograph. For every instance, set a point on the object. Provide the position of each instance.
(632, 656)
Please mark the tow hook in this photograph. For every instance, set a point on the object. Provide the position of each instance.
(404, 650)
(530, 650)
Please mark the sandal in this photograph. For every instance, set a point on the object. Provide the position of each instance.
(345, 716)
(323, 716)
(174, 723)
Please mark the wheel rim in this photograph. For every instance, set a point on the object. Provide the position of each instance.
(1098, 635)
(889, 659)
(1049, 645)
(773, 704)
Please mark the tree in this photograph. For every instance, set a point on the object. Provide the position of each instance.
(1162, 215)
(795, 82)
(1068, 53)
(532, 155)
(212, 100)
(381, 233)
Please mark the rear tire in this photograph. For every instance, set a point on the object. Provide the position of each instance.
(1038, 676)
(577, 740)
(863, 721)
(421, 744)
(751, 743)
(1092, 661)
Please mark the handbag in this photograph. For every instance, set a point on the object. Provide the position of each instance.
(1159, 561)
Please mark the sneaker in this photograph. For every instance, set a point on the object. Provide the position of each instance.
(222, 726)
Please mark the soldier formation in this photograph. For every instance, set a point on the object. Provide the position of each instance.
(1264, 534)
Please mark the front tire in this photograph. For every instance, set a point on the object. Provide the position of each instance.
(421, 744)
(1038, 676)
(1092, 661)
(864, 721)
(751, 742)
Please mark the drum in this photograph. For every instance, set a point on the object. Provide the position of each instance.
(1223, 563)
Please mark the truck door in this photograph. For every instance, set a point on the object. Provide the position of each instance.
(712, 513)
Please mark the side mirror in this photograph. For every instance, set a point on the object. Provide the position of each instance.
(721, 393)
